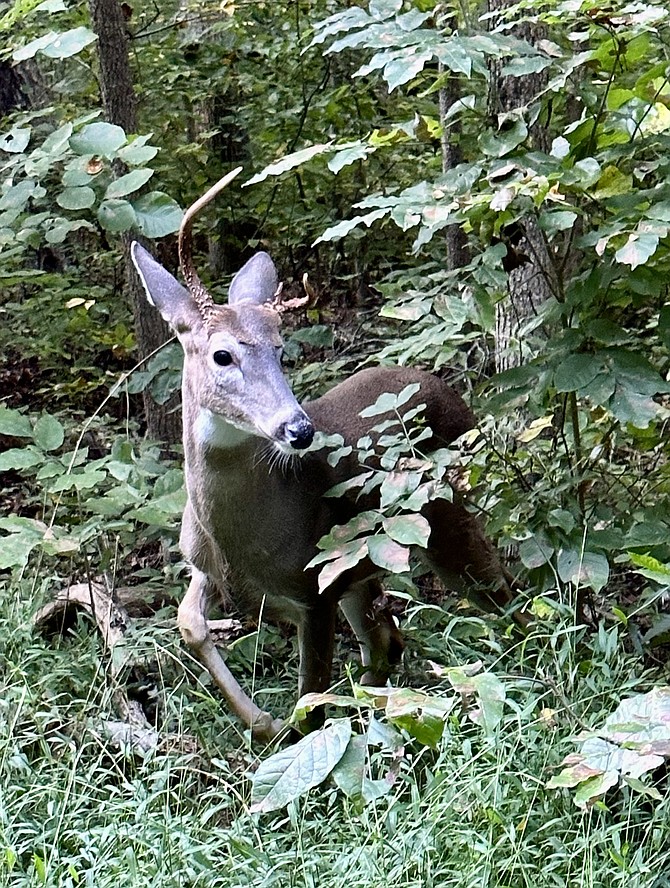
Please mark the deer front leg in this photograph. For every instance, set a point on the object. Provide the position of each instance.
(379, 638)
(192, 623)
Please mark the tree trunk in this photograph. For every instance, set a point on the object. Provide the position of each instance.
(456, 244)
(118, 99)
(530, 266)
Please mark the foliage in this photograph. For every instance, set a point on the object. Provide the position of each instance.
(334, 113)
(633, 741)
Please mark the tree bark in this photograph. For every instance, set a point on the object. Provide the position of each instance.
(457, 252)
(529, 281)
(118, 100)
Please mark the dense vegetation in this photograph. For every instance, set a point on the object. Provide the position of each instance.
(479, 191)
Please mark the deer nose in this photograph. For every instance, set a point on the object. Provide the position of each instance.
(299, 433)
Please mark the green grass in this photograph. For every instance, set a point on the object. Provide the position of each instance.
(474, 812)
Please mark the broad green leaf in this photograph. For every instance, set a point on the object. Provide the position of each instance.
(49, 433)
(162, 510)
(408, 530)
(388, 554)
(349, 772)
(389, 401)
(336, 232)
(127, 184)
(651, 568)
(17, 196)
(352, 553)
(15, 550)
(57, 141)
(421, 715)
(583, 568)
(80, 198)
(16, 140)
(14, 424)
(157, 214)
(577, 371)
(318, 335)
(85, 480)
(343, 533)
(612, 183)
(535, 551)
(505, 140)
(98, 138)
(137, 152)
(20, 458)
(290, 773)
(638, 249)
(56, 44)
(402, 70)
(520, 67)
(290, 162)
(397, 485)
(116, 215)
(348, 156)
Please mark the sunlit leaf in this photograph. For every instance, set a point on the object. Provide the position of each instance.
(290, 773)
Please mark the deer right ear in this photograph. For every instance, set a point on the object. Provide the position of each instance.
(164, 291)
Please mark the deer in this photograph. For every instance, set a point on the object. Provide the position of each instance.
(255, 486)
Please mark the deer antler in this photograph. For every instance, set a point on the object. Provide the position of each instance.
(193, 282)
(282, 305)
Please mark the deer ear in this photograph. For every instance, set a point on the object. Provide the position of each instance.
(164, 291)
(255, 282)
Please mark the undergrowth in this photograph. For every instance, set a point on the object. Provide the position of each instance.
(474, 811)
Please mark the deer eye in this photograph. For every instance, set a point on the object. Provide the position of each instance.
(222, 358)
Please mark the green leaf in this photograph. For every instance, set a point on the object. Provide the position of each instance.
(290, 162)
(536, 551)
(505, 140)
(137, 152)
(387, 402)
(318, 335)
(98, 138)
(576, 372)
(583, 568)
(14, 424)
(80, 198)
(16, 140)
(348, 156)
(49, 433)
(638, 249)
(291, 772)
(388, 554)
(403, 69)
(612, 183)
(56, 44)
(127, 184)
(17, 196)
(349, 772)
(157, 214)
(351, 554)
(20, 458)
(336, 232)
(421, 715)
(651, 568)
(408, 530)
(116, 215)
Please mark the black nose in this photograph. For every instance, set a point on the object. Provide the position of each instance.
(299, 434)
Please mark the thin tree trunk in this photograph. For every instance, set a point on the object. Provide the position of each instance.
(530, 278)
(118, 99)
(456, 244)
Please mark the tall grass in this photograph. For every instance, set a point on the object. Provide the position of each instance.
(474, 813)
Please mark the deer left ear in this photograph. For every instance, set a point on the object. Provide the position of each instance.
(255, 282)
(164, 291)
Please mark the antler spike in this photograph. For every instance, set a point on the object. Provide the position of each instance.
(193, 282)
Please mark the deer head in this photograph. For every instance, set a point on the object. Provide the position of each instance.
(233, 385)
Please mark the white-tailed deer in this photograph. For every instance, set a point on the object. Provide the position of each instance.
(252, 521)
